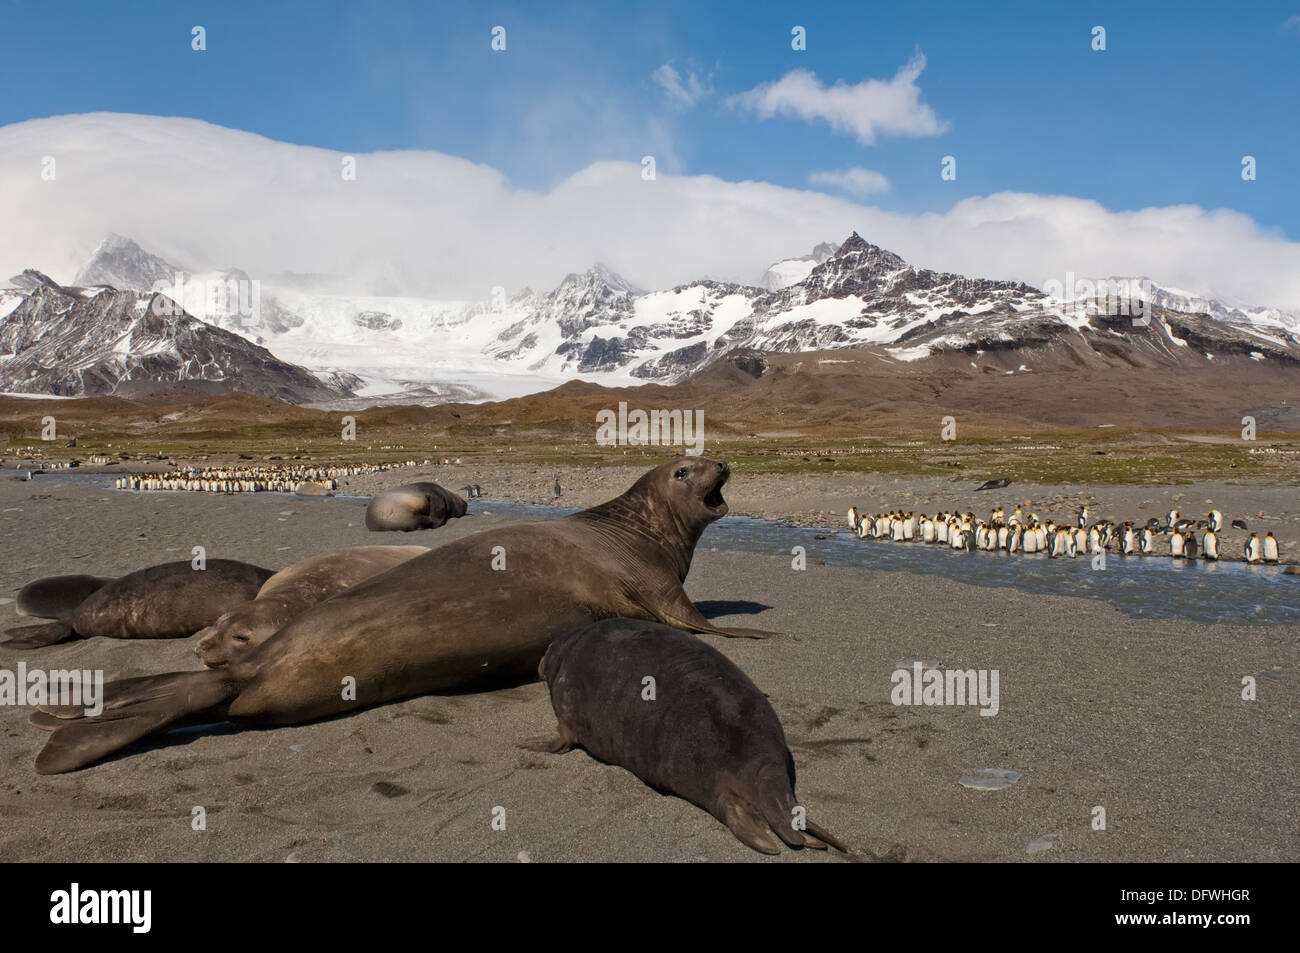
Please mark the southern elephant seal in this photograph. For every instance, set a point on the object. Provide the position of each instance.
(412, 506)
(170, 601)
(476, 612)
(57, 597)
(700, 729)
(290, 593)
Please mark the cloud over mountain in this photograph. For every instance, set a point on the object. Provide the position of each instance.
(423, 222)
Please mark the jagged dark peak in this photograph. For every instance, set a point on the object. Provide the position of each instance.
(861, 252)
(31, 279)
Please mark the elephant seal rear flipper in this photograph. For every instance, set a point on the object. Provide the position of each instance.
(146, 705)
(39, 635)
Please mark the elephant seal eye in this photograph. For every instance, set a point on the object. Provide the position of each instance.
(680, 474)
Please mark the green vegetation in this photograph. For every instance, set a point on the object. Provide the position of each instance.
(1093, 458)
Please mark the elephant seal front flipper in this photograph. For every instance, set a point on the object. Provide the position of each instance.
(684, 614)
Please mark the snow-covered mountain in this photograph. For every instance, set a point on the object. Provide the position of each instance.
(597, 326)
(71, 341)
(791, 271)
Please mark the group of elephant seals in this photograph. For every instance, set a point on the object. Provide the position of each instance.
(290, 593)
(683, 718)
(413, 506)
(170, 601)
(477, 612)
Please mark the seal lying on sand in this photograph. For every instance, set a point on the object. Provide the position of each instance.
(708, 735)
(474, 613)
(290, 593)
(413, 506)
(170, 601)
(57, 597)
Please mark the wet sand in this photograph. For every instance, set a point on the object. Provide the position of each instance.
(1143, 718)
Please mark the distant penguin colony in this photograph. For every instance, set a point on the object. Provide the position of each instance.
(1024, 533)
(258, 479)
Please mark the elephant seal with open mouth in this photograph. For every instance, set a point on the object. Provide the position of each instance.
(474, 613)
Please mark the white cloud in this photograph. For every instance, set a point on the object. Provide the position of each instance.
(855, 181)
(686, 92)
(869, 109)
(1291, 23)
(432, 224)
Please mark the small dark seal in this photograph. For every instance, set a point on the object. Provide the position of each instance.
(413, 506)
(684, 719)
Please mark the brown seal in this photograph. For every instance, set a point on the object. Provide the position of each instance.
(684, 719)
(170, 601)
(290, 593)
(413, 506)
(476, 612)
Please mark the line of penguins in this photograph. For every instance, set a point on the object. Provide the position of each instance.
(258, 479)
(1023, 532)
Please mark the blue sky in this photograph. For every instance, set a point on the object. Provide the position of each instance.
(1162, 117)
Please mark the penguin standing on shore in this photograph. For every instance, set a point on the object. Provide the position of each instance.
(1189, 544)
(1083, 518)
(1252, 550)
(1216, 520)
(1176, 545)
(1270, 548)
(853, 518)
(1210, 545)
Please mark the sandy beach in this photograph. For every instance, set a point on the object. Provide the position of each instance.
(1143, 718)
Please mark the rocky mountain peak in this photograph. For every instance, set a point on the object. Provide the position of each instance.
(119, 262)
(31, 279)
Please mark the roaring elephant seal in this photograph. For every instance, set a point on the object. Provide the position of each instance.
(476, 612)
(57, 597)
(170, 601)
(290, 593)
(684, 719)
(413, 506)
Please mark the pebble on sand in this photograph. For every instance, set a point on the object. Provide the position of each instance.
(989, 779)
(1040, 844)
